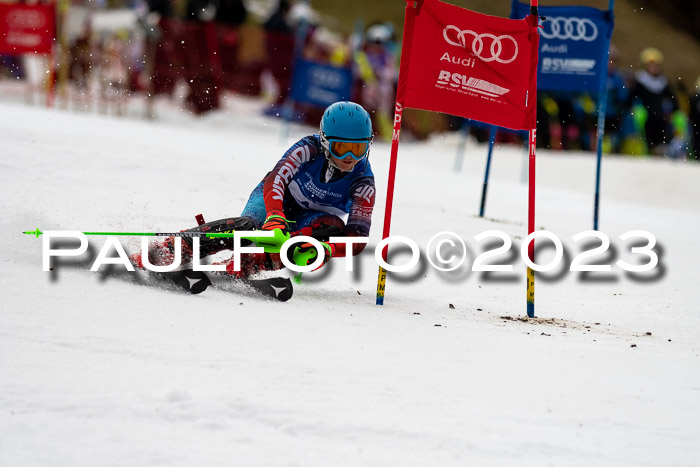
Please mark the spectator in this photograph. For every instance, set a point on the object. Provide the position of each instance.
(11, 66)
(203, 64)
(379, 73)
(545, 116)
(231, 12)
(652, 91)
(277, 22)
(201, 10)
(82, 55)
(322, 44)
(162, 7)
(114, 74)
(279, 45)
(568, 118)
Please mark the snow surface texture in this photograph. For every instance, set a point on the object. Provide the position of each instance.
(100, 369)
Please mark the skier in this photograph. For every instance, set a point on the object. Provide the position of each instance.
(321, 179)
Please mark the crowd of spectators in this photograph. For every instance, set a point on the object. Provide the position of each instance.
(644, 113)
(214, 45)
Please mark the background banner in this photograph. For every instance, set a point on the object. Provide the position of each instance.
(320, 85)
(574, 41)
(26, 28)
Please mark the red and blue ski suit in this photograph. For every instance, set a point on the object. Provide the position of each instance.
(311, 192)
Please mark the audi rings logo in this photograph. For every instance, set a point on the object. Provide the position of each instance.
(455, 36)
(28, 19)
(575, 29)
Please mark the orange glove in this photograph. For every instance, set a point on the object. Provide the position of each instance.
(276, 220)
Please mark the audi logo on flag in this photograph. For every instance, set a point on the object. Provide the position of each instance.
(458, 37)
(23, 18)
(575, 29)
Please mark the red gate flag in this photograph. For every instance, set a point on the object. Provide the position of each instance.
(26, 28)
(471, 65)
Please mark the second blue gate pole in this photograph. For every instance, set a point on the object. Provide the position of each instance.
(492, 141)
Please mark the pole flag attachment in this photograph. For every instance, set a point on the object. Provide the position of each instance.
(466, 64)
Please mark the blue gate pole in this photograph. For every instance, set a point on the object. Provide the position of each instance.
(462, 145)
(492, 141)
(602, 107)
(599, 152)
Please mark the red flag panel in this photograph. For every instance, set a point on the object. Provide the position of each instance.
(26, 28)
(471, 65)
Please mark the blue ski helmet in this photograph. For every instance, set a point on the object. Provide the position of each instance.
(346, 130)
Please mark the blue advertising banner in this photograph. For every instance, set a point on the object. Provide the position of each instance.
(320, 84)
(574, 44)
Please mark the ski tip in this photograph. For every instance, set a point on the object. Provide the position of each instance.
(278, 288)
(282, 288)
(197, 282)
(194, 282)
(36, 232)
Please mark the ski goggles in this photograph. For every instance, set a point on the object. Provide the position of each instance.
(342, 149)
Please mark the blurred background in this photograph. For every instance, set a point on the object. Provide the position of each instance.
(106, 55)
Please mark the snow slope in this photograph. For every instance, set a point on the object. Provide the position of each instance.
(99, 369)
